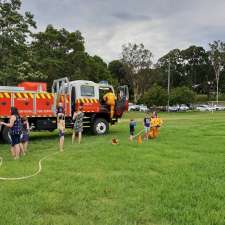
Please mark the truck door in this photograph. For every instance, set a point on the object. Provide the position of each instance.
(73, 100)
(122, 100)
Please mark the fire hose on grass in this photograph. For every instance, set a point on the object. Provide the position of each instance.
(28, 176)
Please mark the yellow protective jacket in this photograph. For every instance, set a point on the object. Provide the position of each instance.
(155, 122)
(109, 98)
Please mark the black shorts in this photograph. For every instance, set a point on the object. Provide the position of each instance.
(132, 132)
(15, 139)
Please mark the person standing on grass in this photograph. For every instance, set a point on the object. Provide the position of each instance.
(132, 126)
(61, 128)
(25, 133)
(15, 126)
(146, 126)
(78, 124)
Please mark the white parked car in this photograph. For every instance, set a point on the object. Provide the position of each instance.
(204, 108)
(183, 107)
(143, 108)
(219, 107)
(133, 108)
(174, 108)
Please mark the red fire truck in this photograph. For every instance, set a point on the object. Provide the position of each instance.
(39, 106)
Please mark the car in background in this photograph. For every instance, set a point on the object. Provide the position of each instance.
(133, 107)
(178, 108)
(174, 108)
(219, 107)
(183, 108)
(140, 108)
(204, 108)
(143, 108)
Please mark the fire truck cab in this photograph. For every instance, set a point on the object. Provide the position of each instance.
(40, 106)
(89, 95)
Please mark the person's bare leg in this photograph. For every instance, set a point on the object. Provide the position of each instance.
(12, 151)
(25, 145)
(22, 152)
(73, 137)
(61, 144)
(79, 137)
(131, 138)
(17, 151)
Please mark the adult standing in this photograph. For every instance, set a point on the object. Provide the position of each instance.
(15, 126)
(78, 124)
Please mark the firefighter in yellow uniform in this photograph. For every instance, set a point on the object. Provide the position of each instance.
(110, 100)
(156, 122)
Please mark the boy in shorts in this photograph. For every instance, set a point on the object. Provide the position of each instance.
(132, 128)
(146, 126)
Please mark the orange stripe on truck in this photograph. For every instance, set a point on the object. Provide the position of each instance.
(7, 95)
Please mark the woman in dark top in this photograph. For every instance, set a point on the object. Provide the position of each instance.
(15, 126)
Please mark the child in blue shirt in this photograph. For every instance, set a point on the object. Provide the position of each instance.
(132, 128)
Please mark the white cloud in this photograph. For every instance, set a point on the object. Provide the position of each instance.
(160, 25)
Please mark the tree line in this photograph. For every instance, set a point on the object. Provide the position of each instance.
(56, 53)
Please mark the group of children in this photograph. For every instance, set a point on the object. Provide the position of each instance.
(77, 125)
(146, 123)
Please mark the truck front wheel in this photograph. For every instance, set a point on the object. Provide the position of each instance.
(100, 126)
(5, 135)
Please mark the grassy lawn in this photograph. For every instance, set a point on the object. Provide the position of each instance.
(177, 179)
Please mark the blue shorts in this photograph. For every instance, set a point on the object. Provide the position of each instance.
(24, 137)
(61, 134)
(15, 139)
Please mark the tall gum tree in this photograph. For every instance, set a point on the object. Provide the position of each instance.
(137, 59)
(217, 58)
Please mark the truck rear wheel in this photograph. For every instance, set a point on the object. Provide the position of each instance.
(100, 126)
(5, 135)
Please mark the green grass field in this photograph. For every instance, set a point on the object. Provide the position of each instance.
(177, 179)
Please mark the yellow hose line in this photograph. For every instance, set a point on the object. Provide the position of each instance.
(29, 176)
(138, 133)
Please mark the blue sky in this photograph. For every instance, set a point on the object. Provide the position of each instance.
(161, 25)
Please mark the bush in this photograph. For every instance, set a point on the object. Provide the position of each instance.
(201, 98)
(156, 96)
(182, 95)
(206, 98)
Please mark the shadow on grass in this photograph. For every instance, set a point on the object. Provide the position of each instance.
(36, 136)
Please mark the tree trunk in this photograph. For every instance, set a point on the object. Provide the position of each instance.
(137, 93)
(135, 96)
(217, 91)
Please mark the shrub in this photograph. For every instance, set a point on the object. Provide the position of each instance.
(156, 96)
(182, 95)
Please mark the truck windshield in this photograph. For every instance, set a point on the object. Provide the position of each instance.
(87, 91)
